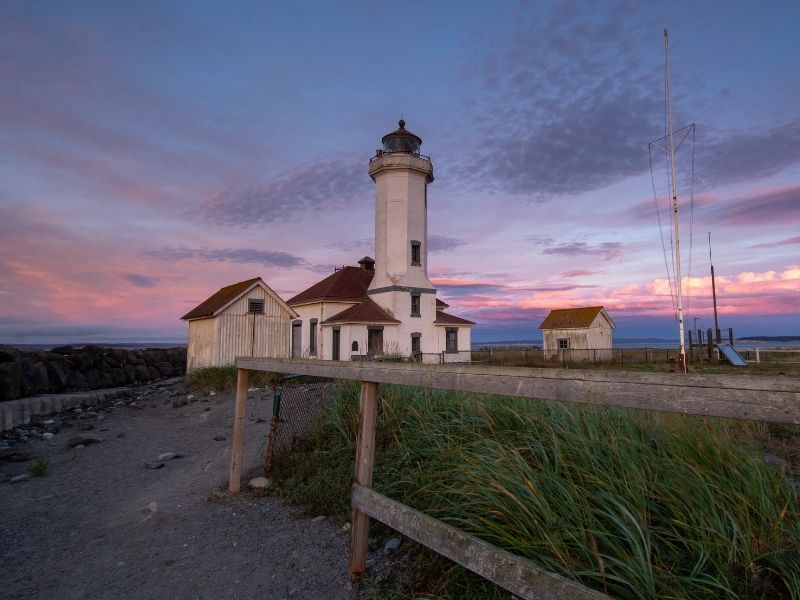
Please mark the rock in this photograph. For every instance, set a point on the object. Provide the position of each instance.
(10, 380)
(169, 456)
(155, 465)
(19, 478)
(14, 455)
(191, 398)
(319, 519)
(219, 438)
(47, 435)
(9, 354)
(35, 380)
(56, 376)
(141, 372)
(391, 545)
(151, 508)
(346, 527)
(179, 401)
(63, 350)
(166, 369)
(84, 439)
(259, 484)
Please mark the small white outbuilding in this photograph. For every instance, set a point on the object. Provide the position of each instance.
(578, 331)
(243, 319)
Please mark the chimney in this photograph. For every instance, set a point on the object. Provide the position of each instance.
(367, 263)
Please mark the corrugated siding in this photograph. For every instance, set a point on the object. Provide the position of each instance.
(239, 333)
(200, 347)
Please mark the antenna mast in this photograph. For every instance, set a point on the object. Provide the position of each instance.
(678, 277)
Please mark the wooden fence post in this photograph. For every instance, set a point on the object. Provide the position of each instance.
(237, 446)
(365, 455)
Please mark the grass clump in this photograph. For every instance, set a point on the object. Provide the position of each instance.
(222, 379)
(634, 504)
(39, 467)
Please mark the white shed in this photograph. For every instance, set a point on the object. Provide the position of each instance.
(244, 319)
(586, 333)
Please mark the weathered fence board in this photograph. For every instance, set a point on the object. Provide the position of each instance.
(738, 397)
(513, 573)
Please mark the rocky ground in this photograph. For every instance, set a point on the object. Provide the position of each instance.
(135, 508)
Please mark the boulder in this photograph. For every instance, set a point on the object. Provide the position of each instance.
(57, 376)
(10, 380)
(118, 377)
(34, 380)
(9, 354)
(63, 350)
(166, 368)
(76, 381)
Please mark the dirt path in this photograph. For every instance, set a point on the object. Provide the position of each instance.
(102, 525)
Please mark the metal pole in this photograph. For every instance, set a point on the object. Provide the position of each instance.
(678, 276)
(713, 288)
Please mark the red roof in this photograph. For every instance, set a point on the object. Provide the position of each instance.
(440, 304)
(208, 307)
(363, 312)
(348, 283)
(442, 318)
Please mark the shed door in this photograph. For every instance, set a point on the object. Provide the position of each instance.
(297, 341)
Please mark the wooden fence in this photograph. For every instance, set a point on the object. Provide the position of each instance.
(736, 396)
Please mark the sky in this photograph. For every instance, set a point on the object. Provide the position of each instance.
(153, 152)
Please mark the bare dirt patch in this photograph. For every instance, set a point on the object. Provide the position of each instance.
(102, 524)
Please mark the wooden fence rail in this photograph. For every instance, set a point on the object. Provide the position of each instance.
(739, 397)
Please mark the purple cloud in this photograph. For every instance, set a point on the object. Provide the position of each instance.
(319, 187)
(788, 242)
(269, 258)
(139, 280)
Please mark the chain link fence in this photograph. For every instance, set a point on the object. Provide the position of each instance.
(537, 357)
(297, 403)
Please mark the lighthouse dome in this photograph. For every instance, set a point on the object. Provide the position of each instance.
(401, 140)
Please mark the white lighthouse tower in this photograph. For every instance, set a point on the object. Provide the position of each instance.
(401, 285)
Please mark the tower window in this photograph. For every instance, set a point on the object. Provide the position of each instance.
(416, 253)
(451, 339)
(415, 305)
(255, 307)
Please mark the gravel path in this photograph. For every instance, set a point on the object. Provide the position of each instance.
(102, 525)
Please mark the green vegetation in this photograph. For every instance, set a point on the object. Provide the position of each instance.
(222, 379)
(634, 504)
(39, 467)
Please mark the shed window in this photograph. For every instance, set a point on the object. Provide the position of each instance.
(354, 346)
(312, 338)
(563, 343)
(451, 339)
(416, 253)
(255, 307)
(415, 305)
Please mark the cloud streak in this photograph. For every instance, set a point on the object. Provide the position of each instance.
(269, 258)
(309, 191)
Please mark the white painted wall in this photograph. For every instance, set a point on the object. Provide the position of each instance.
(217, 341)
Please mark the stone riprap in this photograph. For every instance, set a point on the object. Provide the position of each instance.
(26, 373)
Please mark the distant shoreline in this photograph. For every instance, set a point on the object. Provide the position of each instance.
(746, 342)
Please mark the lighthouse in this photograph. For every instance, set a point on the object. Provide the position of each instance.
(386, 305)
(401, 285)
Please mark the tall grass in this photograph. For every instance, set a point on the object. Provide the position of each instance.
(638, 505)
(222, 379)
